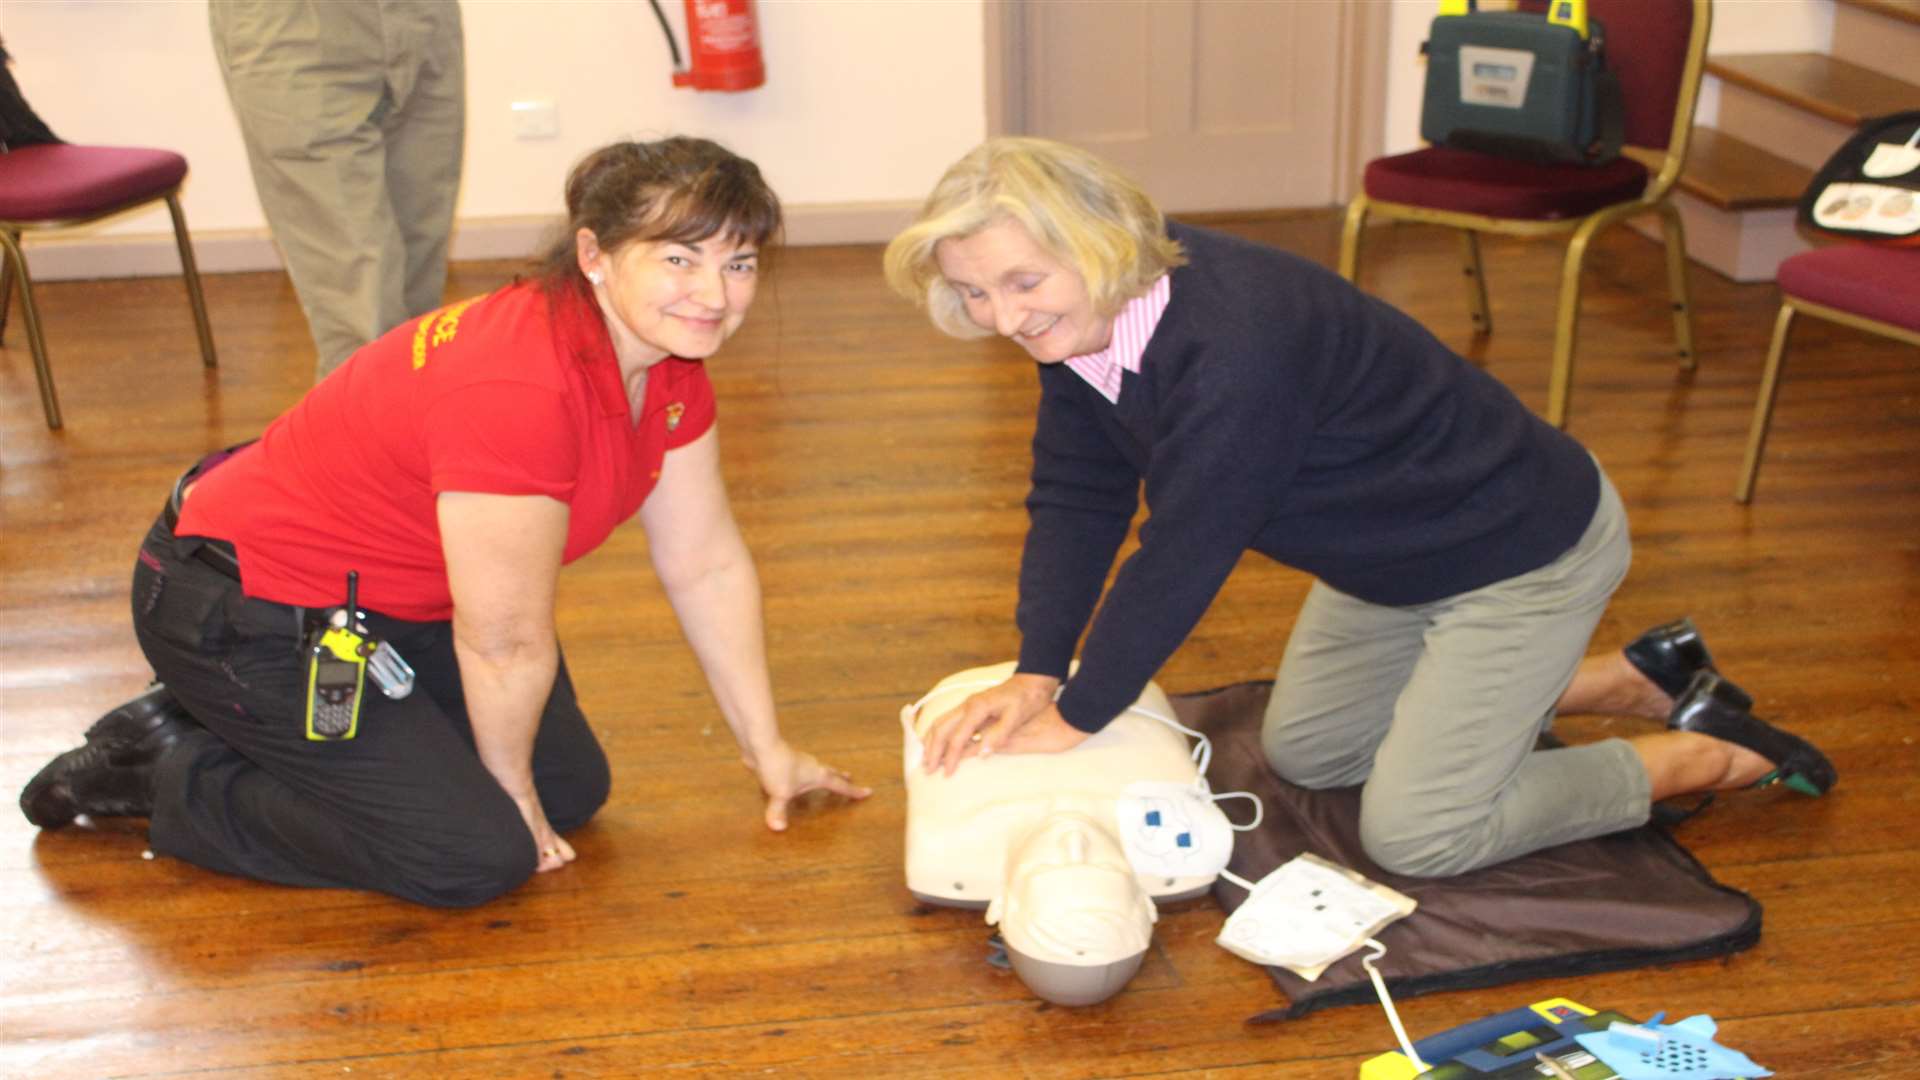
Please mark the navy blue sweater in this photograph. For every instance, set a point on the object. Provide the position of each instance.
(1281, 410)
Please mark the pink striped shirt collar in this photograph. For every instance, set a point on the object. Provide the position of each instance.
(1132, 329)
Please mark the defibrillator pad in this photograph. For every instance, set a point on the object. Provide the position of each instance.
(1308, 914)
(1172, 830)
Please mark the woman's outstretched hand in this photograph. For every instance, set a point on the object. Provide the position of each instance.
(1016, 717)
(785, 774)
(554, 851)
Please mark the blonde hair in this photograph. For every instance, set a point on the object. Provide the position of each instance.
(1082, 210)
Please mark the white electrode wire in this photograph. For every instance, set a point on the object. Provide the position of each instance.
(1259, 809)
(1386, 1002)
(1202, 746)
(1237, 879)
(1203, 756)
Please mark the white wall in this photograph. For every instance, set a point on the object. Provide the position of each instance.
(866, 101)
(1739, 26)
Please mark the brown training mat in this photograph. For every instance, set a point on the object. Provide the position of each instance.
(1628, 900)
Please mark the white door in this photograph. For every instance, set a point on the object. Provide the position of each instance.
(1210, 104)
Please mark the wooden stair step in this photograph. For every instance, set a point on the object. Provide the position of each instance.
(1834, 89)
(1734, 174)
(1903, 10)
(1880, 34)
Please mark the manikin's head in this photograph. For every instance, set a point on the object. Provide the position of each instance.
(1074, 917)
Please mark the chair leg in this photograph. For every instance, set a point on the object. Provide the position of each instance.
(1676, 244)
(1350, 239)
(191, 272)
(1567, 322)
(1476, 281)
(6, 289)
(49, 402)
(1763, 409)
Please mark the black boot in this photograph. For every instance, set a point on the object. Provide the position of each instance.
(112, 775)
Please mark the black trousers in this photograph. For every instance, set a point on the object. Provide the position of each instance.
(404, 808)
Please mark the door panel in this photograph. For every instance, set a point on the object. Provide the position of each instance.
(1211, 104)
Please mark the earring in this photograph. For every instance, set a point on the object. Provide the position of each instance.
(596, 276)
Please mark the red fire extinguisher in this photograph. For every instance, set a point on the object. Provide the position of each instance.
(723, 43)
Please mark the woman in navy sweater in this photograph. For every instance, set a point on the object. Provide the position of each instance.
(1464, 549)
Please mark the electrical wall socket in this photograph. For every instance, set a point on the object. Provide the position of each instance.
(535, 120)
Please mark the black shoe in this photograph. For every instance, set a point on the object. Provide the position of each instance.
(1671, 814)
(112, 775)
(1670, 655)
(1713, 706)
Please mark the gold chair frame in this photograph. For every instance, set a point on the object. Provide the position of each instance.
(15, 263)
(1666, 166)
(1776, 360)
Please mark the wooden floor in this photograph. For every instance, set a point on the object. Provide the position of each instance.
(877, 470)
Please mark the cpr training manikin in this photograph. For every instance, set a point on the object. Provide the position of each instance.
(1066, 852)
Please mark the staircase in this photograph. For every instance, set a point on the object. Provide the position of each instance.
(1781, 116)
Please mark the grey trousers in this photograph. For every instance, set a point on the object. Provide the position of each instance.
(354, 114)
(1436, 707)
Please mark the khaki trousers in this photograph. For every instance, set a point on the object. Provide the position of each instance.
(1436, 708)
(353, 113)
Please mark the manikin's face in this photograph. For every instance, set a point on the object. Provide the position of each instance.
(667, 298)
(1070, 896)
(1014, 287)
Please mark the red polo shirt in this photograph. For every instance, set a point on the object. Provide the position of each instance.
(514, 393)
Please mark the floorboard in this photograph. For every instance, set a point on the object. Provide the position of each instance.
(878, 470)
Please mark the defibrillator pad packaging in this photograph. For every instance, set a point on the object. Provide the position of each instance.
(1309, 913)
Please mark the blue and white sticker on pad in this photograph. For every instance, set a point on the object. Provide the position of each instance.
(1172, 830)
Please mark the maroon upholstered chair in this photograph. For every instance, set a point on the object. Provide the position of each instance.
(1876, 289)
(55, 185)
(1658, 49)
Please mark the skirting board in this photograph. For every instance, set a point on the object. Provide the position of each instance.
(56, 257)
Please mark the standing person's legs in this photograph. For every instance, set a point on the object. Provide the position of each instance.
(307, 80)
(1457, 784)
(425, 133)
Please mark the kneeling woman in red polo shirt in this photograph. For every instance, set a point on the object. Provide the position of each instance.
(451, 467)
